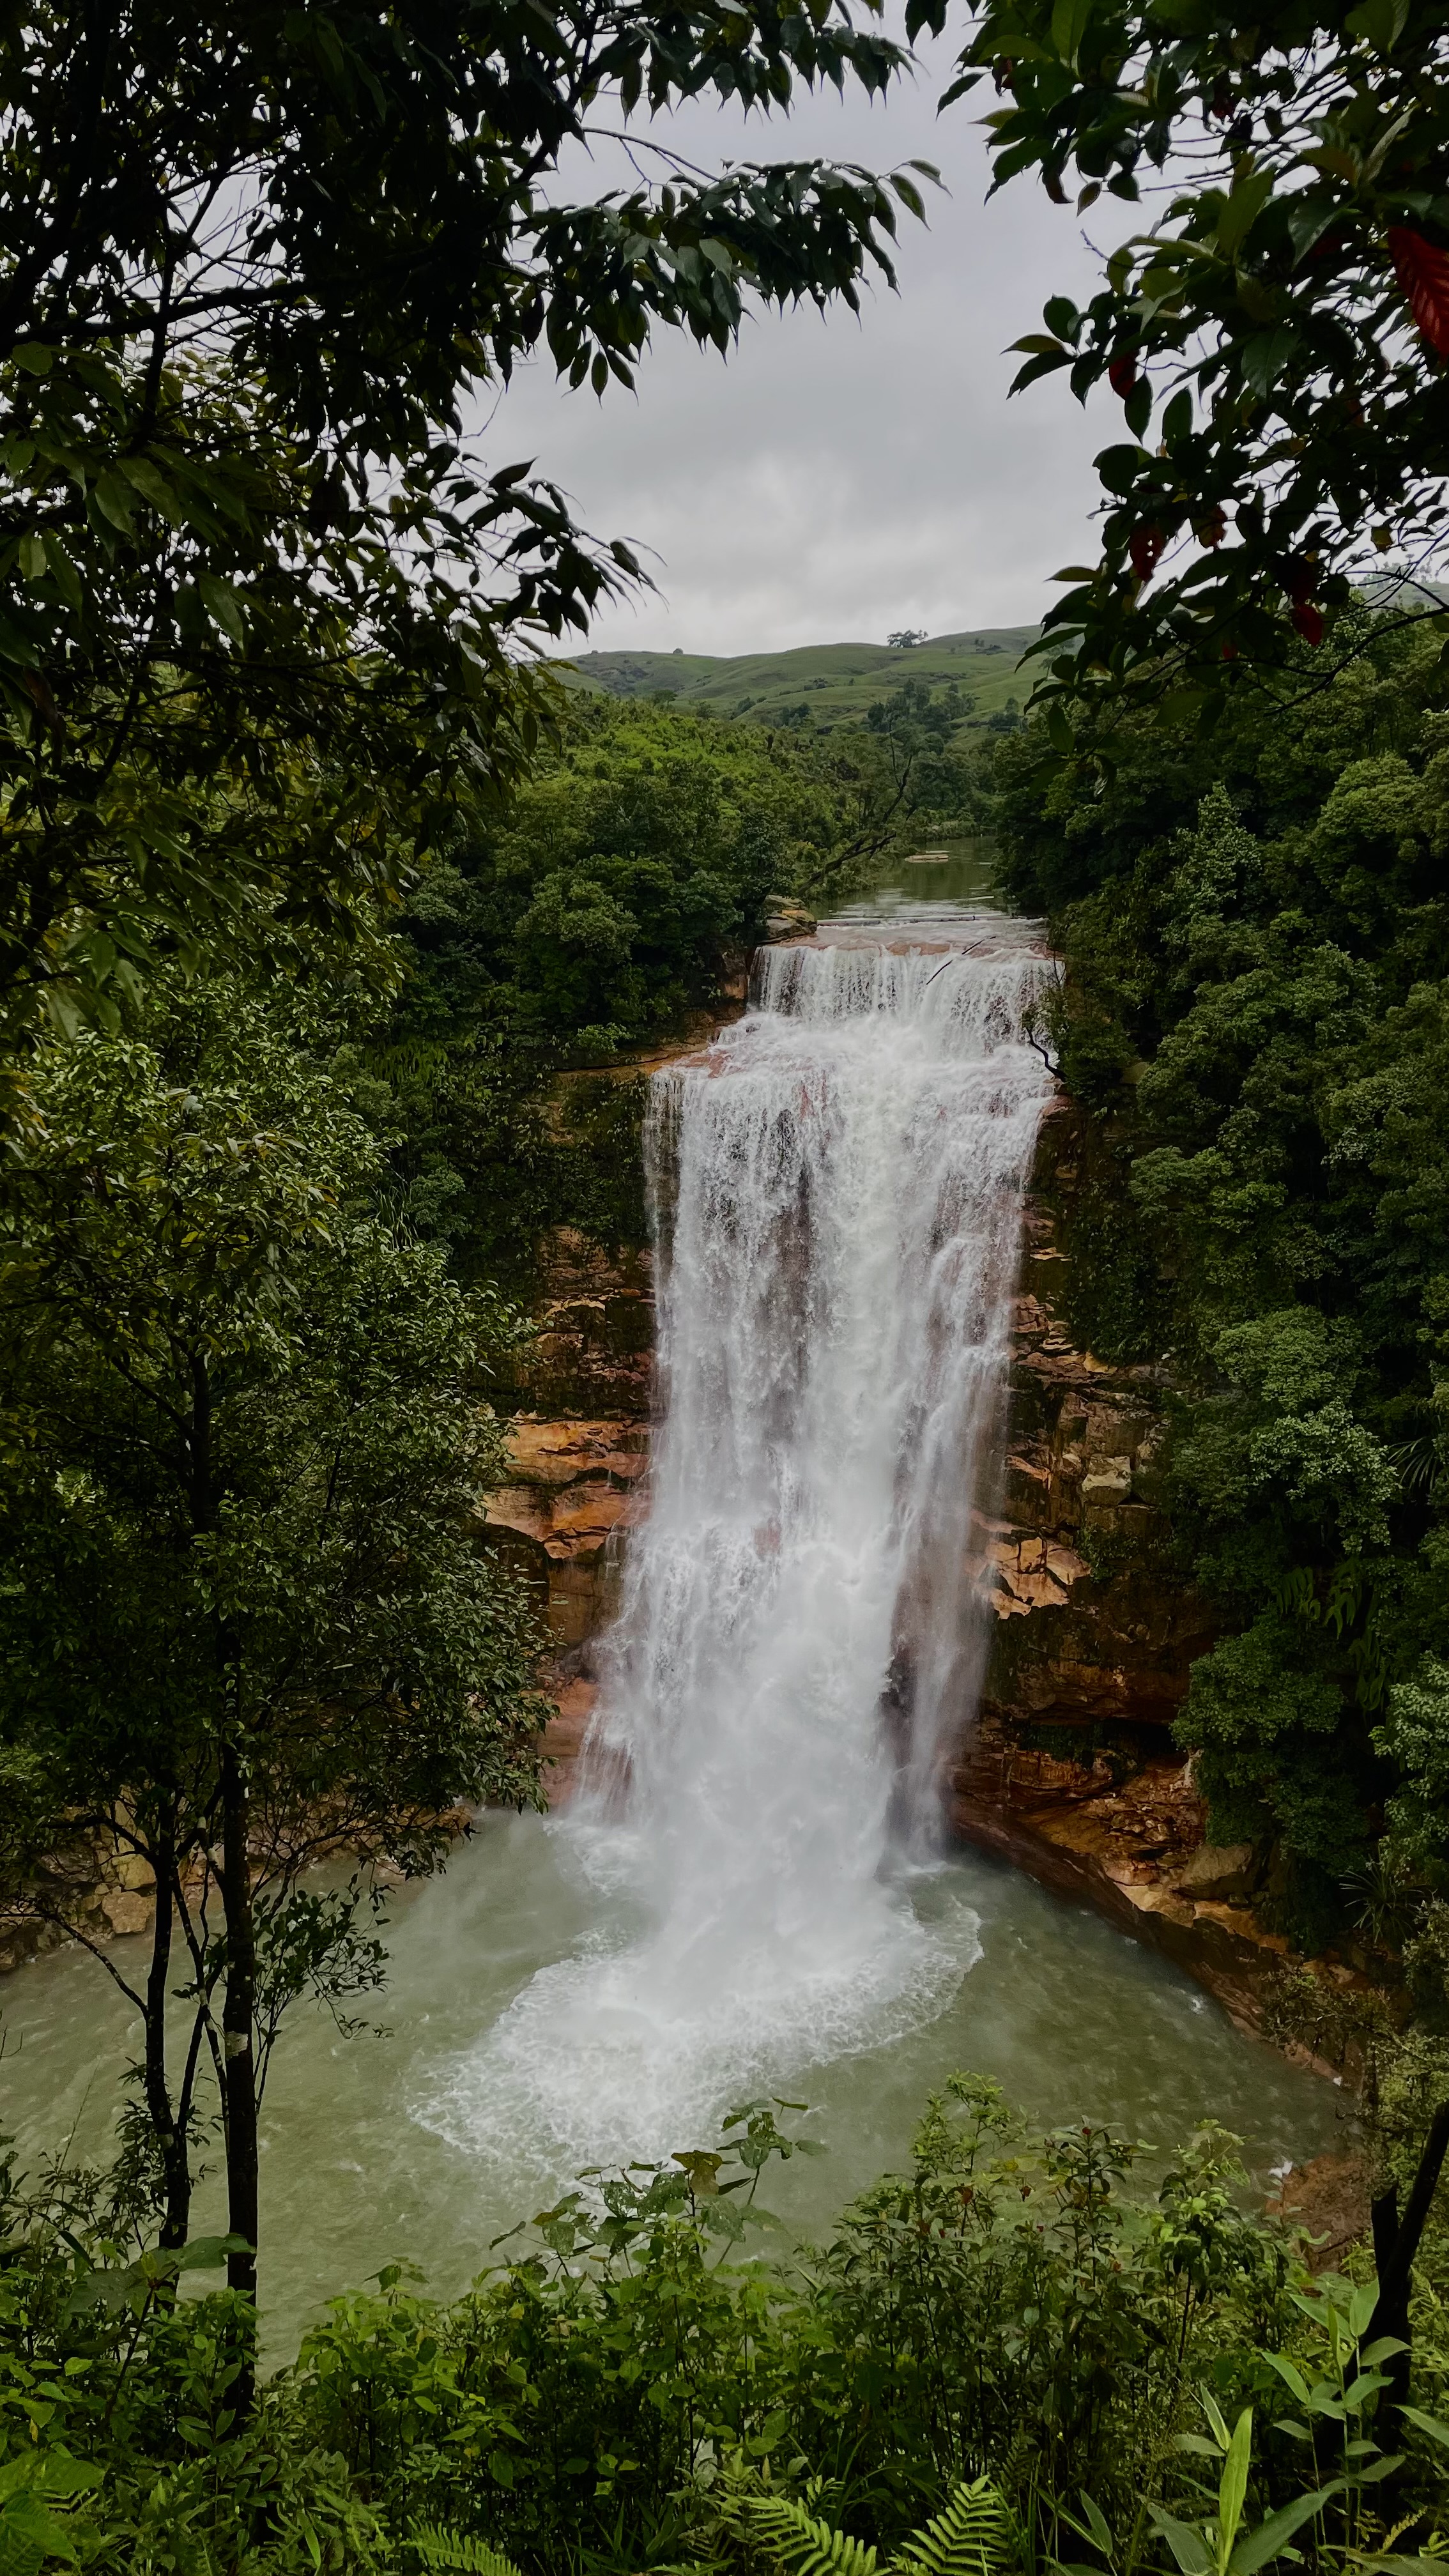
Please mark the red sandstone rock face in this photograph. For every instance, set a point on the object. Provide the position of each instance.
(575, 1488)
(1096, 1626)
(564, 1738)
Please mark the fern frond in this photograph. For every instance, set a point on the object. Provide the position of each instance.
(457, 2552)
(807, 2546)
(973, 2537)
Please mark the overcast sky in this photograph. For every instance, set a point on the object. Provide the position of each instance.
(835, 478)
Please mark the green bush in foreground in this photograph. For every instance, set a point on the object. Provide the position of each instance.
(1003, 2358)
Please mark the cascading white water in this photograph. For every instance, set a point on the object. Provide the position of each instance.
(837, 1184)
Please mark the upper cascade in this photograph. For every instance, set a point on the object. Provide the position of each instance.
(971, 995)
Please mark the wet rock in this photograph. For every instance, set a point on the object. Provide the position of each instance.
(1328, 2202)
(564, 1735)
(1119, 1848)
(575, 1489)
(786, 918)
(1219, 1869)
(1095, 1626)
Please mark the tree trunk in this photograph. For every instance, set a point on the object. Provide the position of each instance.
(1396, 2242)
(238, 2023)
(170, 2131)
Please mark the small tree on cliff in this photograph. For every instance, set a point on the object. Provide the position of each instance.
(241, 1619)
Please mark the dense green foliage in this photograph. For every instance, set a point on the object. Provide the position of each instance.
(624, 2392)
(260, 610)
(1275, 337)
(1257, 942)
(621, 890)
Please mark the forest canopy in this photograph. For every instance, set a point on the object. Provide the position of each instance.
(1257, 943)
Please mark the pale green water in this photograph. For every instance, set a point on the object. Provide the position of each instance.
(950, 876)
(1069, 2016)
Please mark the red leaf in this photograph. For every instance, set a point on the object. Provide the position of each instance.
(1122, 373)
(1146, 548)
(1212, 530)
(1423, 273)
(1308, 621)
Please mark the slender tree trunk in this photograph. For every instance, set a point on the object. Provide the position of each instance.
(170, 2131)
(239, 2079)
(1396, 2242)
(238, 2025)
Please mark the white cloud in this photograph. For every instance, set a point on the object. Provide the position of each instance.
(834, 478)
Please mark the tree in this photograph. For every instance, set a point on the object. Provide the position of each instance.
(255, 266)
(1254, 1025)
(622, 884)
(1276, 338)
(242, 1619)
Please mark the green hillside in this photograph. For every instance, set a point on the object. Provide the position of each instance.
(827, 683)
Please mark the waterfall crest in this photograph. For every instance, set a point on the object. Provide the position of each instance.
(837, 1185)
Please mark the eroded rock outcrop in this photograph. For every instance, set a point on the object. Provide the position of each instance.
(1070, 1770)
(1096, 1623)
(572, 1486)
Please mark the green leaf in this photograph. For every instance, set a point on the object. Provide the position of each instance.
(1233, 2485)
(1289, 2372)
(113, 498)
(223, 607)
(1273, 2536)
(1430, 2424)
(1246, 199)
(1361, 2307)
(1177, 419)
(1380, 22)
(1266, 355)
(1185, 2542)
(1216, 2418)
(153, 487)
(1070, 21)
(1137, 409)
(1097, 2522)
(208, 2253)
(63, 571)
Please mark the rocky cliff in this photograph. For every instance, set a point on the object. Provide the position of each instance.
(1069, 1769)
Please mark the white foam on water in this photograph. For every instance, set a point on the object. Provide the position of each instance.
(837, 1186)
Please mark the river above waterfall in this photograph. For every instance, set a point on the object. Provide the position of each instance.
(750, 1893)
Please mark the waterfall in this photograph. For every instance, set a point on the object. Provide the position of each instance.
(837, 1185)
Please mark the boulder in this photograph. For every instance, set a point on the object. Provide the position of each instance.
(1219, 1871)
(1328, 2201)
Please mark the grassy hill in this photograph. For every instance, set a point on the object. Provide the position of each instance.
(827, 684)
